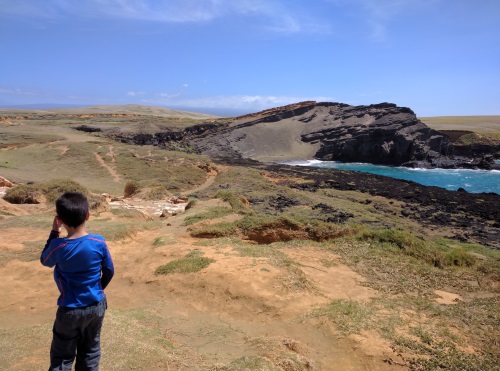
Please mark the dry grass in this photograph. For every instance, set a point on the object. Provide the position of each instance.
(476, 124)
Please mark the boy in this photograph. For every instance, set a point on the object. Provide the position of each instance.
(83, 269)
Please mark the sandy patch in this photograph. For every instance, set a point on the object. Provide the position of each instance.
(445, 297)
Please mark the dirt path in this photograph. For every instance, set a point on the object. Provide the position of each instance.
(110, 169)
(210, 180)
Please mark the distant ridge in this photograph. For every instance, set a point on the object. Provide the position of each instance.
(130, 109)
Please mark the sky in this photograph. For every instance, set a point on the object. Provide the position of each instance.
(438, 57)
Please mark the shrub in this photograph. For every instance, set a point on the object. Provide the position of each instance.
(321, 231)
(131, 188)
(24, 194)
(191, 263)
(190, 204)
(459, 258)
(253, 223)
(236, 203)
(57, 187)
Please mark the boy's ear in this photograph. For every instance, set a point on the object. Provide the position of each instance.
(88, 216)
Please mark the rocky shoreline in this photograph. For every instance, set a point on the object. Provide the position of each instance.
(470, 217)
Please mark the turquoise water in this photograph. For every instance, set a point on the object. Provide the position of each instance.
(474, 181)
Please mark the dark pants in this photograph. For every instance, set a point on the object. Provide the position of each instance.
(77, 332)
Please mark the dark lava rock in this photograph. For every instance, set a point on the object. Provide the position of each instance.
(379, 134)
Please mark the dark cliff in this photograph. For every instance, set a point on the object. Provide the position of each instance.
(380, 134)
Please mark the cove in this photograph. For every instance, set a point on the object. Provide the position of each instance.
(474, 181)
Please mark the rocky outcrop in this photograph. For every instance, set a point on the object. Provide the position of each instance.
(379, 133)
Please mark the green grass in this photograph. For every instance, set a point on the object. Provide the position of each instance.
(211, 213)
(114, 231)
(31, 252)
(164, 240)
(217, 230)
(474, 138)
(127, 213)
(251, 363)
(236, 202)
(24, 139)
(349, 316)
(191, 263)
(34, 221)
(74, 158)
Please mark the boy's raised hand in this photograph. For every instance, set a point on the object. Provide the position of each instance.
(57, 224)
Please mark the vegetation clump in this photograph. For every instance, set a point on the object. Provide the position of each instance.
(223, 229)
(212, 213)
(238, 204)
(24, 194)
(132, 187)
(43, 192)
(191, 263)
(55, 188)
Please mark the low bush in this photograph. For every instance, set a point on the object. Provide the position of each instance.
(254, 223)
(24, 194)
(131, 188)
(190, 204)
(321, 231)
(459, 258)
(236, 203)
(55, 188)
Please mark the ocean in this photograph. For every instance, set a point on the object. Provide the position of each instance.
(474, 181)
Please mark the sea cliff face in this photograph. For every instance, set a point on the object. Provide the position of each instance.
(380, 134)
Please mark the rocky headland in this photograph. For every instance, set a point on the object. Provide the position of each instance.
(382, 134)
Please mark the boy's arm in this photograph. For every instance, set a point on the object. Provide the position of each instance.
(107, 275)
(54, 233)
(108, 269)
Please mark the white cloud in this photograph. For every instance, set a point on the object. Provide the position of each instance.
(135, 93)
(250, 102)
(17, 91)
(378, 14)
(274, 15)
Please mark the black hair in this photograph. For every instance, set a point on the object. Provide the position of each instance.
(72, 208)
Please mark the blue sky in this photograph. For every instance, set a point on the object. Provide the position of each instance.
(438, 57)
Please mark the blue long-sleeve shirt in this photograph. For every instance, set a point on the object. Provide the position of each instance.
(83, 268)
